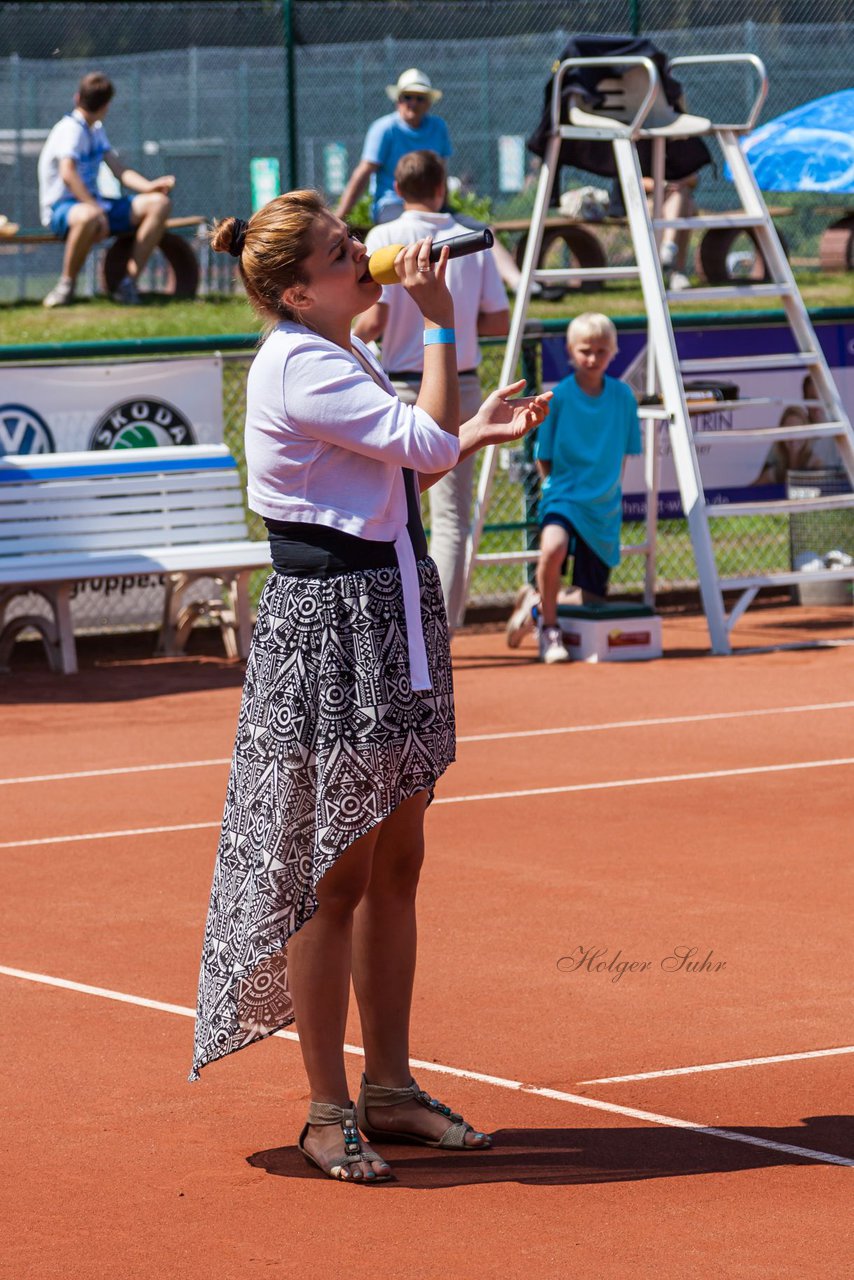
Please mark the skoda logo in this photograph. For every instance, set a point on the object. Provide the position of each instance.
(145, 423)
(22, 430)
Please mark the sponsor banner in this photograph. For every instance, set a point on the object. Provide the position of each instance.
(127, 405)
(628, 639)
(732, 470)
(142, 404)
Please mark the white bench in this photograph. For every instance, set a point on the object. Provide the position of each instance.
(67, 518)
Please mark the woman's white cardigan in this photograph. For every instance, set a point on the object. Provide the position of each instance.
(325, 444)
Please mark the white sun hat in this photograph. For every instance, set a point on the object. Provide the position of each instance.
(413, 81)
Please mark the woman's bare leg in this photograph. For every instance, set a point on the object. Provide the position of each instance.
(319, 959)
(384, 950)
(385, 942)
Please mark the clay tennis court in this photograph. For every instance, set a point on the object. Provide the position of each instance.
(649, 1121)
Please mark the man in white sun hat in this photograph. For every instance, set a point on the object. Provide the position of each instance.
(413, 127)
(410, 127)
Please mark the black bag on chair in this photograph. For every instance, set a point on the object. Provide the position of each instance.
(683, 156)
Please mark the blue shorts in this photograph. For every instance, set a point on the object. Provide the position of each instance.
(118, 215)
(589, 572)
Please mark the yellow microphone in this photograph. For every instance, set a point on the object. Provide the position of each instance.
(381, 262)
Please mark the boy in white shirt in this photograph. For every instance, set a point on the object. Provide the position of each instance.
(481, 310)
(68, 193)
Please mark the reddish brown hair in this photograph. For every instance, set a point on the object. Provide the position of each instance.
(278, 239)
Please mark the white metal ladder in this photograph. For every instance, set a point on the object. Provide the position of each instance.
(664, 368)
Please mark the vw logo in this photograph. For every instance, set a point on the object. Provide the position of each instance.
(22, 430)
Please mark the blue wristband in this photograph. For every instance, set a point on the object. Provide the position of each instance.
(444, 336)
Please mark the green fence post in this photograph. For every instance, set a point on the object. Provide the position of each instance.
(138, 139)
(17, 203)
(290, 91)
(193, 92)
(241, 161)
(635, 16)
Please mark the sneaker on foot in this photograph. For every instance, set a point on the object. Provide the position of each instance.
(61, 294)
(545, 292)
(521, 620)
(679, 281)
(127, 293)
(552, 648)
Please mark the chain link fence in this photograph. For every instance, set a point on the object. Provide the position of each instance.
(204, 87)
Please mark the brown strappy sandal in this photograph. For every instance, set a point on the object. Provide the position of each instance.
(378, 1095)
(354, 1152)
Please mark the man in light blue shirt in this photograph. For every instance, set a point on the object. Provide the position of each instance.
(410, 127)
(581, 449)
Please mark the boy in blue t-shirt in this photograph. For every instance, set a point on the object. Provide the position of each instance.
(581, 449)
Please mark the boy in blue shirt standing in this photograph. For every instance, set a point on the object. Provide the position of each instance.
(581, 449)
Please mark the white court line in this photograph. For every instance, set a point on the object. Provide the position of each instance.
(607, 727)
(646, 782)
(723, 1066)
(108, 773)
(491, 795)
(660, 720)
(499, 1082)
(111, 835)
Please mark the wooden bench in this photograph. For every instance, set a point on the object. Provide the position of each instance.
(183, 263)
(69, 518)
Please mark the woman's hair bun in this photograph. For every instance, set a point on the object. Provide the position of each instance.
(229, 236)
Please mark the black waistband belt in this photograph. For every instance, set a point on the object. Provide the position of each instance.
(415, 375)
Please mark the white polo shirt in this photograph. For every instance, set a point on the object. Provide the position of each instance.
(473, 281)
(71, 138)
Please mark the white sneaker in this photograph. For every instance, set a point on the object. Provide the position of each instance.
(667, 255)
(552, 648)
(127, 293)
(678, 281)
(61, 294)
(521, 620)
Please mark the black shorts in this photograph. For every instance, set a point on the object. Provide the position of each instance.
(588, 571)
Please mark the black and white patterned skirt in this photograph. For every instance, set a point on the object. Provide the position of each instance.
(331, 738)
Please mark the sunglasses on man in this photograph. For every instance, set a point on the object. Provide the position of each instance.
(413, 97)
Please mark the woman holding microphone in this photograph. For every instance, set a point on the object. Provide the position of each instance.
(347, 718)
